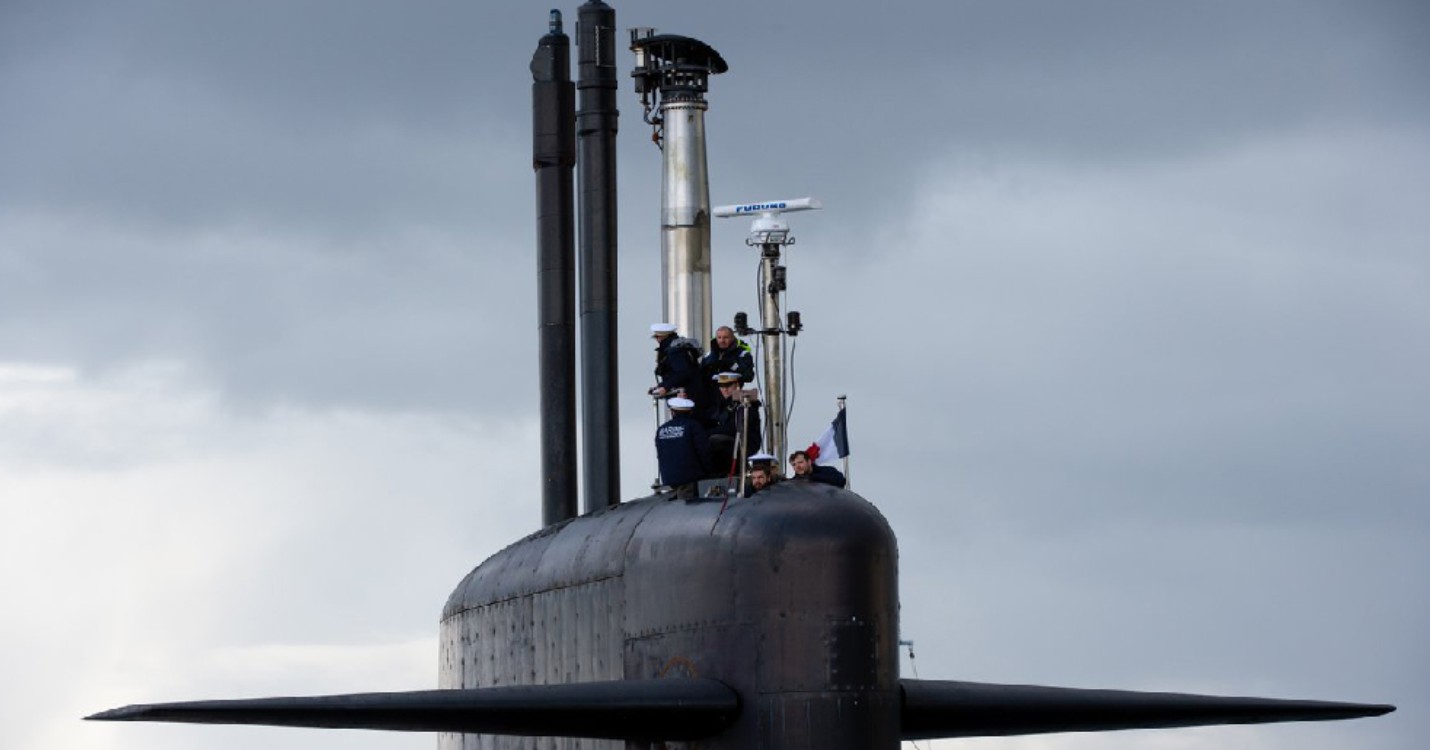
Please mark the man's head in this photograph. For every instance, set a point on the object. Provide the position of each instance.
(760, 477)
(728, 383)
(724, 337)
(799, 461)
(662, 331)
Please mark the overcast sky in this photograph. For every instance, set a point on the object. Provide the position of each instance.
(1131, 301)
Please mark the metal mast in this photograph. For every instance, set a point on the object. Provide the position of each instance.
(596, 124)
(674, 71)
(553, 133)
(770, 233)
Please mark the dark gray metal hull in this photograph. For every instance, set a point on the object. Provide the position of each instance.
(653, 623)
(791, 601)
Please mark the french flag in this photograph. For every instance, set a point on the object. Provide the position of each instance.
(833, 444)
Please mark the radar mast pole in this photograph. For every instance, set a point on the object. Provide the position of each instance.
(770, 233)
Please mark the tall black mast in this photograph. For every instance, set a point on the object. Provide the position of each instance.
(553, 104)
(596, 126)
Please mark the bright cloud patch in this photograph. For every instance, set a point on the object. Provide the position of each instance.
(156, 547)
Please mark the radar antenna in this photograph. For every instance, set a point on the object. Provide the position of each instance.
(770, 233)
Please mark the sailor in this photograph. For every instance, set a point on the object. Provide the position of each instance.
(677, 370)
(737, 417)
(766, 460)
(729, 354)
(760, 478)
(682, 449)
(807, 470)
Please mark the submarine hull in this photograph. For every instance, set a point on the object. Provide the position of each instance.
(789, 598)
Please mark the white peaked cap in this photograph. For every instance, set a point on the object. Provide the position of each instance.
(661, 329)
(681, 403)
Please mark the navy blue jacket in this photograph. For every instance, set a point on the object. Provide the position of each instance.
(727, 422)
(682, 447)
(677, 365)
(735, 359)
(824, 475)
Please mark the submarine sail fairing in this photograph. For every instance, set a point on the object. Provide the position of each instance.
(771, 623)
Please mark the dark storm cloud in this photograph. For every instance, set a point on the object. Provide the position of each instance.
(307, 115)
(1224, 372)
(222, 183)
(355, 131)
(392, 322)
(1084, 83)
(318, 112)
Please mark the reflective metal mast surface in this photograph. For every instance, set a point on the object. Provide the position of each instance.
(675, 70)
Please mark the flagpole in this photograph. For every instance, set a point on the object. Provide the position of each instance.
(848, 483)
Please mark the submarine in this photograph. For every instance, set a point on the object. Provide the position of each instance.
(722, 621)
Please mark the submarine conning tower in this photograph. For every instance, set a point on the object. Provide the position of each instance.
(789, 598)
(672, 74)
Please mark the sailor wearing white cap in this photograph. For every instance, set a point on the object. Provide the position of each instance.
(737, 418)
(765, 463)
(682, 449)
(761, 476)
(677, 369)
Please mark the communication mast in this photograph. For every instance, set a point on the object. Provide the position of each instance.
(672, 74)
(770, 233)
